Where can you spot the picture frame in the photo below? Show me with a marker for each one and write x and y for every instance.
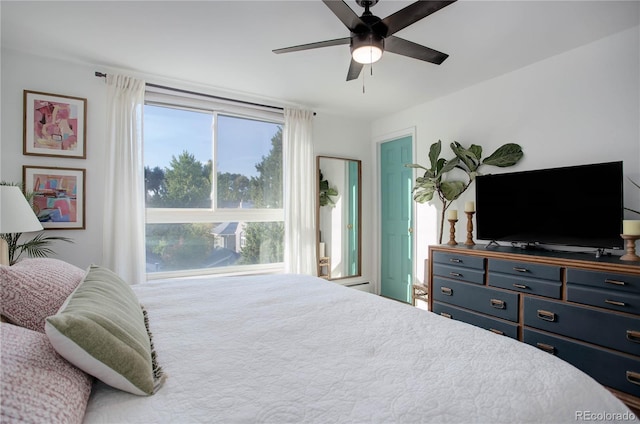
(54, 125)
(58, 195)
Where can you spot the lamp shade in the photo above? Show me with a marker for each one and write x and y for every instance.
(16, 215)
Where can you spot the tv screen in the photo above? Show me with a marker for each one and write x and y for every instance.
(570, 206)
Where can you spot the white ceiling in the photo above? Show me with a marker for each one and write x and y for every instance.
(227, 44)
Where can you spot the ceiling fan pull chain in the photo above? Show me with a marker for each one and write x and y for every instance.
(363, 74)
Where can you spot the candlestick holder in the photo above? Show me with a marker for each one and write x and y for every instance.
(452, 232)
(469, 241)
(631, 248)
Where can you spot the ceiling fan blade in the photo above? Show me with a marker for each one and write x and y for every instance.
(344, 13)
(328, 43)
(407, 16)
(354, 70)
(401, 46)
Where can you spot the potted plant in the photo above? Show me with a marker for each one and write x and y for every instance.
(37, 247)
(326, 192)
(468, 160)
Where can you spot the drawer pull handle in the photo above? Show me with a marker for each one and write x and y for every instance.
(546, 347)
(455, 274)
(520, 269)
(616, 282)
(456, 260)
(614, 302)
(633, 377)
(446, 315)
(493, 330)
(446, 291)
(546, 315)
(498, 304)
(520, 286)
(633, 336)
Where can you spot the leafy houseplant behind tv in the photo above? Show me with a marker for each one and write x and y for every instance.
(571, 206)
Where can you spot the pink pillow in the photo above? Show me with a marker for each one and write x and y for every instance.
(38, 385)
(36, 288)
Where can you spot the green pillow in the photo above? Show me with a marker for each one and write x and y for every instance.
(103, 330)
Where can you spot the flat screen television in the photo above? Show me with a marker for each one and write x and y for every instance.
(570, 206)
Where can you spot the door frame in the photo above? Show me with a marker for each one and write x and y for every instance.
(377, 201)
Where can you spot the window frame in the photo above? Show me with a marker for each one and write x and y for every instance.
(192, 102)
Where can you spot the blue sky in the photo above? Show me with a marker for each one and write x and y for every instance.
(242, 143)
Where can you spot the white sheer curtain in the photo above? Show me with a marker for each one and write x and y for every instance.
(123, 239)
(299, 193)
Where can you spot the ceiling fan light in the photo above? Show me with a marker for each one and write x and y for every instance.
(366, 54)
(366, 48)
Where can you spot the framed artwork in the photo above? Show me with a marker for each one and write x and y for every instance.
(54, 125)
(58, 196)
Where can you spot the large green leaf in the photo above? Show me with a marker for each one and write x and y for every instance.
(467, 156)
(506, 155)
(447, 165)
(423, 194)
(415, 165)
(476, 151)
(452, 189)
(434, 153)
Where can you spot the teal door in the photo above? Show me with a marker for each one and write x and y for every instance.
(353, 226)
(396, 219)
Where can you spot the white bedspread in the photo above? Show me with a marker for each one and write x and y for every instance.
(291, 349)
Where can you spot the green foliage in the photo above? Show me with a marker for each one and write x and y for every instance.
(232, 188)
(179, 245)
(187, 183)
(326, 192)
(154, 185)
(263, 243)
(469, 160)
(37, 247)
(266, 188)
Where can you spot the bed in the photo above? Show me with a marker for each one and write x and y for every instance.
(295, 348)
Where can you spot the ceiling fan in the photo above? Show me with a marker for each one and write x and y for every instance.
(371, 36)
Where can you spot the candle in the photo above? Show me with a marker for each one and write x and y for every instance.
(469, 207)
(631, 227)
(322, 250)
(453, 214)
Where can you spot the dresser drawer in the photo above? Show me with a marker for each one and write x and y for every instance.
(482, 299)
(544, 288)
(524, 269)
(459, 273)
(611, 299)
(605, 280)
(611, 369)
(466, 261)
(492, 324)
(599, 327)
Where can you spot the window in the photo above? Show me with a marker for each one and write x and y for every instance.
(213, 182)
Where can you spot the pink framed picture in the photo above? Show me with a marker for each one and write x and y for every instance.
(58, 196)
(54, 125)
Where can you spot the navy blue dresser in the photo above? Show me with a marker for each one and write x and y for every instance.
(583, 309)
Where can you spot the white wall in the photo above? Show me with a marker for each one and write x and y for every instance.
(348, 138)
(25, 72)
(332, 135)
(579, 107)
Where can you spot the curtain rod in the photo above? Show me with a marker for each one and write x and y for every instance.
(103, 75)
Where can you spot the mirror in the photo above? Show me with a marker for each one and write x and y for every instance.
(338, 217)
